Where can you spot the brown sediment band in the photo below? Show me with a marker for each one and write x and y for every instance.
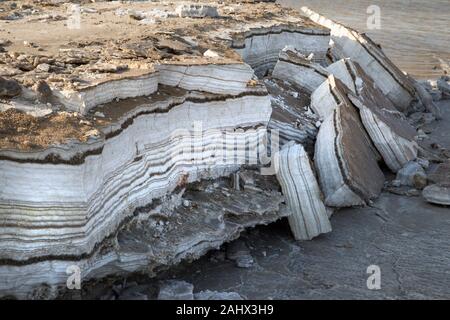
(80, 158)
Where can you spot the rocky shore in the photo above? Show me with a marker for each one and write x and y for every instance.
(135, 136)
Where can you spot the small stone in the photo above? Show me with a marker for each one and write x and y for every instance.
(44, 67)
(423, 162)
(413, 175)
(92, 133)
(396, 183)
(211, 54)
(186, 203)
(196, 11)
(238, 252)
(85, 122)
(43, 90)
(437, 194)
(9, 88)
(29, 44)
(176, 290)
(99, 114)
(245, 261)
(435, 145)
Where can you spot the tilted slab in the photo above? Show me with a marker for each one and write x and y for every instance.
(308, 217)
(323, 101)
(389, 130)
(360, 48)
(345, 158)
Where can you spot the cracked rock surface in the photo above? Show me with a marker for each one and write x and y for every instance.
(406, 237)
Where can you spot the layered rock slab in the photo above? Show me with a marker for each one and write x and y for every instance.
(351, 44)
(181, 226)
(296, 68)
(66, 203)
(345, 158)
(389, 130)
(291, 120)
(260, 47)
(308, 217)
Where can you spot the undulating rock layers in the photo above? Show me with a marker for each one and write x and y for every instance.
(345, 158)
(218, 78)
(308, 217)
(181, 226)
(135, 84)
(348, 43)
(290, 121)
(98, 129)
(114, 152)
(294, 67)
(67, 206)
(260, 47)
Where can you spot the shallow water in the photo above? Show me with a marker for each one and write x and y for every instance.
(414, 33)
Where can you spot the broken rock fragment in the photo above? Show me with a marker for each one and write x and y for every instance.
(391, 134)
(349, 43)
(412, 175)
(345, 158)
(437, 194)
(439, 191)
(308, 217)
(299, 69)
(238, 252)
(43, 91)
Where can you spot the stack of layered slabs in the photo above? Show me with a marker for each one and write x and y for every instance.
(389, 130)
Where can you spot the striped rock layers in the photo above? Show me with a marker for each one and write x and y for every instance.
(345, 158)
(389, 130)
(294, 67)
(260, 47)
(308, 217)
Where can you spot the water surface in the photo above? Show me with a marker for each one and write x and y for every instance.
(414, 33)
